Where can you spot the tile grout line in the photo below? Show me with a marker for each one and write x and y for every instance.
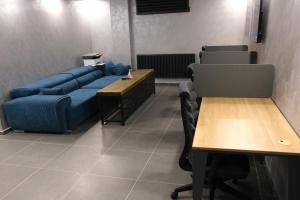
(12, 155)
(109, 148)
(35, 172)
(151, 155)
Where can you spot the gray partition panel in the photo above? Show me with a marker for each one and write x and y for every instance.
(226, 48)
(234, 80)
(228, 57)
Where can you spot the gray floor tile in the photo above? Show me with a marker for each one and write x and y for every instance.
(11, 176)
(138, 142)
(36, 154)
(100, 138)
(44, 185)
(124, 164)
(171, 143)
(59, 138)
(21, 136)
(96, 187)
(158, 124)
(155, 191)
(176, 127)
(76, 159)
(10, 147)
(164, 168)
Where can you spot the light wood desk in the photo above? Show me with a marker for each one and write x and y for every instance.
(248, 125)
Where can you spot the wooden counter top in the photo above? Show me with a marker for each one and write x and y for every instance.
(120, 87)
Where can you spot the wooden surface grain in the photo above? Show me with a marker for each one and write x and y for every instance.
(253, 125)
(120, 87)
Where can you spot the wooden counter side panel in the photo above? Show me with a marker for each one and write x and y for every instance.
(245, 125)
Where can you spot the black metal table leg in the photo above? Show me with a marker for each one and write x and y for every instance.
(199, 159)
(101, 108)
(122, 111)
(293, 177)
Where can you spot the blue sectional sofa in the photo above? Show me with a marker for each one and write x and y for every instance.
(60, 102)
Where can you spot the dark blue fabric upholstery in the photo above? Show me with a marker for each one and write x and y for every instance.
(52, 112)
(120, 69)
(34, 88)
(102, 82)
(68, 86)
(86, 79)
(97, 74)
(51, 91)
(83, 105)
(38, 113)
(80, 71)
(109, 68)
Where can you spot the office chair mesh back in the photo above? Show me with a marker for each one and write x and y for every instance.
(189, 110)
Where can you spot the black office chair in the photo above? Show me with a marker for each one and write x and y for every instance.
(220, 167)
(190, 71)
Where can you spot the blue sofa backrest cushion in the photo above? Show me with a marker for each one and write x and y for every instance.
(51, 91)
(34, 88)
(120, 69)
(86, 79)
(97, 74)
(80, 71)
(68, 86)
(108, 71)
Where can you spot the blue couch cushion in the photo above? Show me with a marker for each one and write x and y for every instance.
(68, 86)
(51, 91)
(34, 88)
(120, 69)
(23, 92)
(102, 82)
(83, 105)
(97, 74)
(38, 113)
(86, 79)
(108, 68)
(80, 71)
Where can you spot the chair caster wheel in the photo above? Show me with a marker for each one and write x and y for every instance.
(174, 195)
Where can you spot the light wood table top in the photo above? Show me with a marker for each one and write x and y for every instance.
(251, 125)
(120, 87)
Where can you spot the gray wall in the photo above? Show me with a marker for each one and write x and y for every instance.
(101, 33)
(120, 26)
(281, 47)
(212, 22)
(37, 42)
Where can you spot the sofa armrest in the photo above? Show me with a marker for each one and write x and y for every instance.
(38, 113)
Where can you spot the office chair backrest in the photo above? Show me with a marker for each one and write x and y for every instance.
(188, 107)
(190, 71)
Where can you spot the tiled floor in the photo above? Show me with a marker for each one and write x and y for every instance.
(135, 162)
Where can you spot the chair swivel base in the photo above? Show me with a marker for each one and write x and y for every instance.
(174, 195)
